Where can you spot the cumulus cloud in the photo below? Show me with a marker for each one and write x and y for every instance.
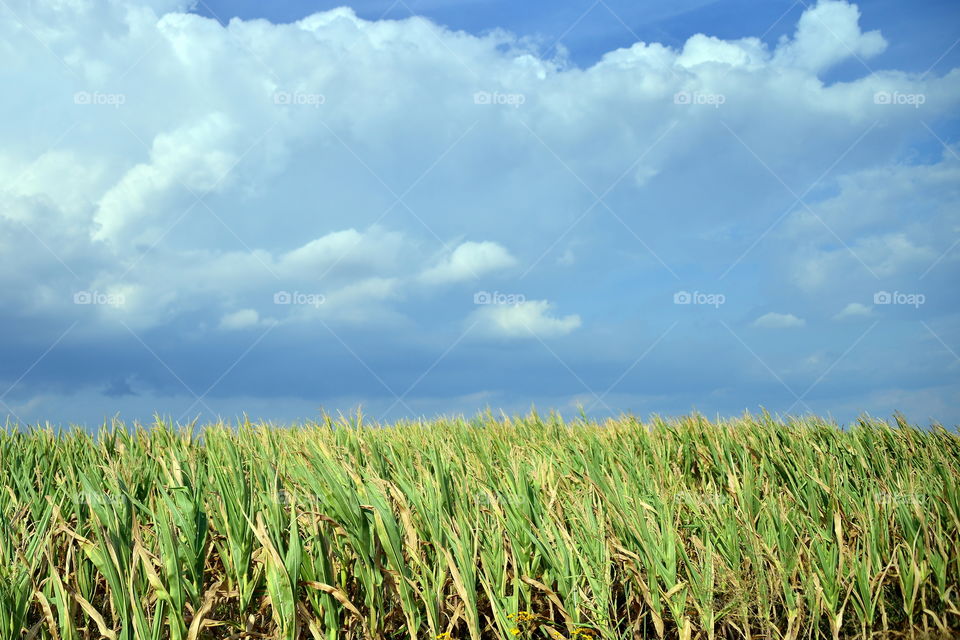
(775, 320)
(827, 34)
(883, 224)
(879, 256)
(469, 261)
(530, 319)
(854, 310)
(194, 159)
(355, 252)
(242, 319)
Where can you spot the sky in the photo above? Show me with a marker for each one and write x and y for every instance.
(225, 208)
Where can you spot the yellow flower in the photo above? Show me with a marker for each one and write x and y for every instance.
(515, 632)
(444, 636)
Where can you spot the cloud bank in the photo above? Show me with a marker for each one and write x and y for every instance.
(260, 215)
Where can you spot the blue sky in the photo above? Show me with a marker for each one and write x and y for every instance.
(428, 207)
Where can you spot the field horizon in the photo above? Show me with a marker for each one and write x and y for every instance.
(356, 418)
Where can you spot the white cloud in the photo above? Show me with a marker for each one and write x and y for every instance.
(775, 320)
(219, 128)
(844, 243)
(854, 310)
(365, 302)
(188, 162)
(469, 261)
(115, 198)
(827, 34)
(356, 252)
(879, 256)
(701, 49)
(242, 319)
(891, 253)
(877, 197)
(529, 319)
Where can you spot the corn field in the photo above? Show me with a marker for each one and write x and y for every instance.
(495, 527)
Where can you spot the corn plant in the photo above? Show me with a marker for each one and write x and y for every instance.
(494, 527)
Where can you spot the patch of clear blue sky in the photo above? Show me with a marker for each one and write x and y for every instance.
(921, 35)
